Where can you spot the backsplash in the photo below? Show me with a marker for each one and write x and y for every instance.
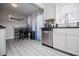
(76, 24)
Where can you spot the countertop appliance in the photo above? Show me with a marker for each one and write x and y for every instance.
(49, 23)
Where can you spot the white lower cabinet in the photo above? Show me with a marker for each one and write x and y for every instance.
(66, 40)
(2, 42)
(73, 44)
(59, 39)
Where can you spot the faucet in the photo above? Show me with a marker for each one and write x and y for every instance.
(67, 20)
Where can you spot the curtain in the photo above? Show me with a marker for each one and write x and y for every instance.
(36, 22)
(40, 24)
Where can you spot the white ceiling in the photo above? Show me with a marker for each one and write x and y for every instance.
(23, 8)
(27, 8)
(46, 5)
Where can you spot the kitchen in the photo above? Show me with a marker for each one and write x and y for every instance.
(55, 26)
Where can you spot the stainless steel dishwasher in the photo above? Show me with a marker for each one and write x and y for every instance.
(47, 37)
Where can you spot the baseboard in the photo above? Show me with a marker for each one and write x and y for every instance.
(47, 45)
(60, 50)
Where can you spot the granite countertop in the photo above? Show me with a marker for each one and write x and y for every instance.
(51, 29)
(66, 27)
(47, 29)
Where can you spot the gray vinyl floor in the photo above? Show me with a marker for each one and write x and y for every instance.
(29, 47)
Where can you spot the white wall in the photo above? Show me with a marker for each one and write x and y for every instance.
(49, 12)
(71, 8)
(4, 20)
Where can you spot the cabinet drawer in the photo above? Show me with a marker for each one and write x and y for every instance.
(61, 30)
(73, 32)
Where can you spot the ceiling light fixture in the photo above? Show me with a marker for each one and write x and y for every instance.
(14, 5)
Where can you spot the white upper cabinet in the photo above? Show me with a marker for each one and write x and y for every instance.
(67, 13)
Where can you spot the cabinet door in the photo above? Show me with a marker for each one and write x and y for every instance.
(73, 44)
(73, 31)
(2, 42)
(59, 41)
